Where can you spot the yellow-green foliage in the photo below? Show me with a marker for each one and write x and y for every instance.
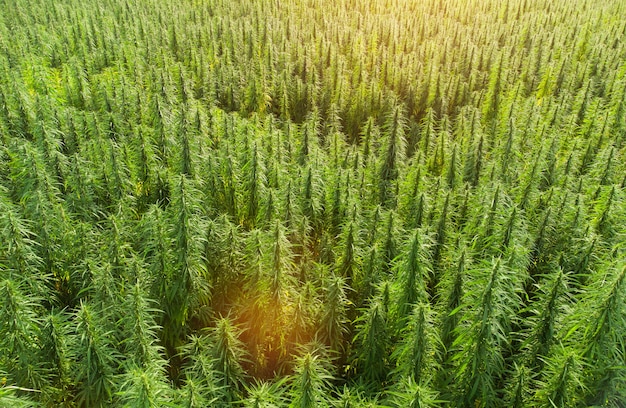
(312, 203)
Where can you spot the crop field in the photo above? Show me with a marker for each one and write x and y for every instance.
(312, 203)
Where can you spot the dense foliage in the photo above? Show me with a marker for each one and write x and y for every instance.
(286, 203)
